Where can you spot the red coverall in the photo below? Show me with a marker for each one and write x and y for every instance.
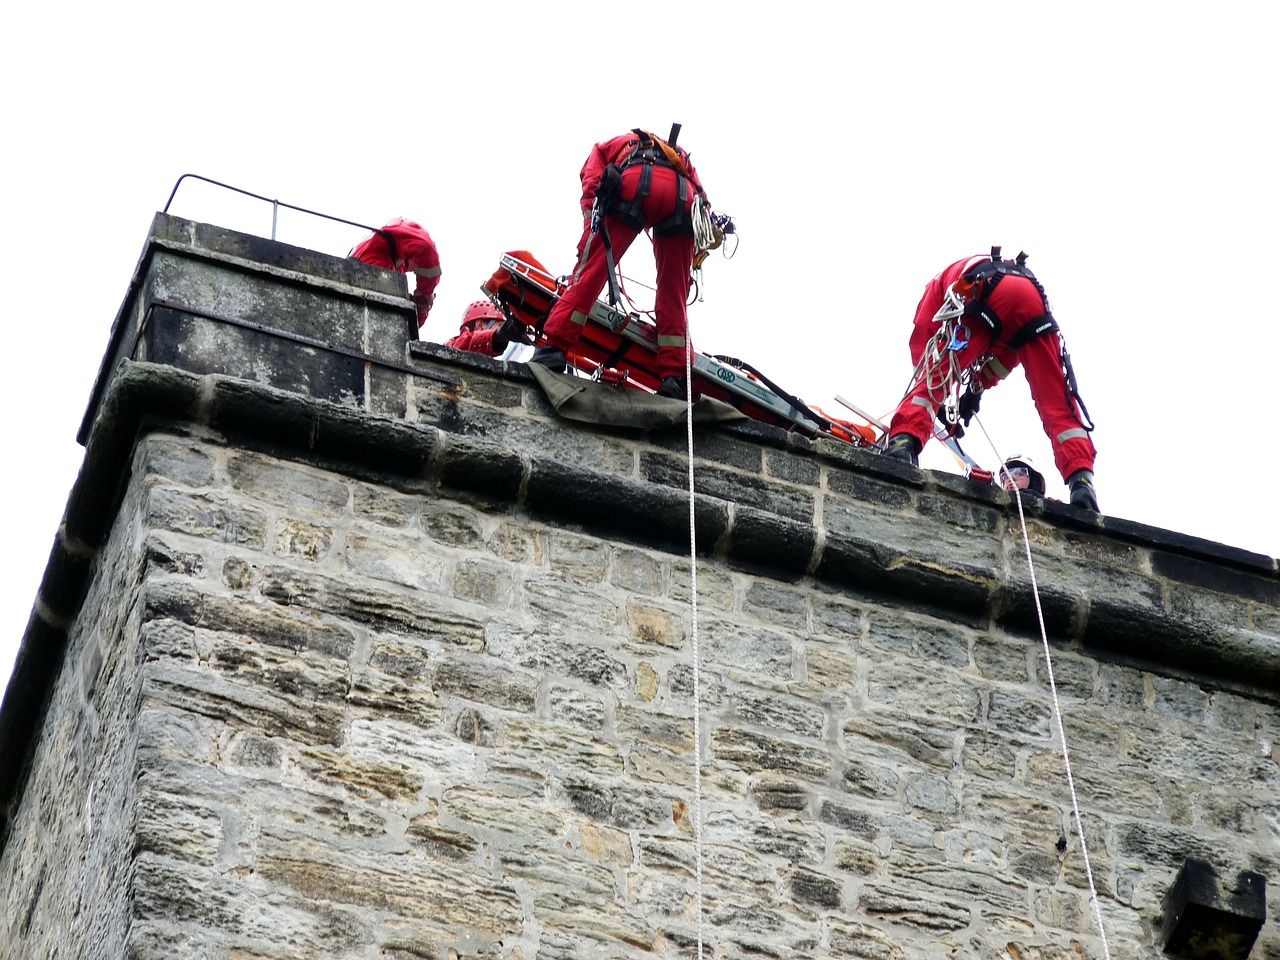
(415, 253)
(673, 255)
(1015, 301)
(477, 336)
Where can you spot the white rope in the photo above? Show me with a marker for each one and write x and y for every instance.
(697, 692)
(1053, 688)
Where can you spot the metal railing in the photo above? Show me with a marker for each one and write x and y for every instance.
(275, 204)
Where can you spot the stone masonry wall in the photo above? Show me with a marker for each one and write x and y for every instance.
(351, 651)
(376, 720)
(65, 882)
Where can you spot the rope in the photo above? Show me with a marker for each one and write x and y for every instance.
(697, 692)
(1057, 706)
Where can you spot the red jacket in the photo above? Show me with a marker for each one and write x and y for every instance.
(615, 151)
(415, 253)
(477, 337)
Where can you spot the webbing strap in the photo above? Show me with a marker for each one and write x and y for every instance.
(1039, 327)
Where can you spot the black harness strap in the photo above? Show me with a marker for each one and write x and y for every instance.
(1038, 327)
(391, 246)
(647, 152)
(988, 275)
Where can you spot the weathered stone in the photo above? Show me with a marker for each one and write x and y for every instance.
(858, 858)
(753, 752)
(165, 559)
(185, 461)
(486, 682)
(675, 733)
(646, 682)
(815, 890)
(787, 714)
(913, 907)
(653, 625)
(398, 560)
(637, 572)
(305, 541)
(286, 485)
(361, 778)
(391, 612)
(431, 891)
(533, 743)
(213, 517)
(862, 941)
(576, 706)
(505, 810)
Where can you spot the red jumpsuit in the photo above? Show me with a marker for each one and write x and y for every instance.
(1015, 301)
(673, 255)
(477, 336)
(415, 253)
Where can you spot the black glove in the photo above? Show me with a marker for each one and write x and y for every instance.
(610, 185)
(510, 330)
(951, 429)
(969, 401)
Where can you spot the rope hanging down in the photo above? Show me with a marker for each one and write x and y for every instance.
(1053, 689)
(693, 601)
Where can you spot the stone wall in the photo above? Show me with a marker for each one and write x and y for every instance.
(415, 679)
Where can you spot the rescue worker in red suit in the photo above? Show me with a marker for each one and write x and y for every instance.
(642, 188)
(405, 246)
(1025, 334)
(484, 330)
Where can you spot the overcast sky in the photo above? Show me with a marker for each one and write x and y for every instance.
(860, 147)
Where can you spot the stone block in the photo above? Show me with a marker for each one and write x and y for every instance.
(1207, 918)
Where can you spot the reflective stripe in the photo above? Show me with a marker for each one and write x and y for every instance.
(579, 318)
(1076, 434)
(670, 341)
(998, 368)
(922, 402)
(427, 272)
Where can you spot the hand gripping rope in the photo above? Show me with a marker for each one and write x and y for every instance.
(1057, 706)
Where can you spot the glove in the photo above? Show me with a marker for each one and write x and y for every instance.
(610, 185)
(969, 401)
(422, 303)
(952, 429)
(510, 330)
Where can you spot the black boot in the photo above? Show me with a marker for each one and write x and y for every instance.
(673, 387)
(903, 446)
(1083, 493)
(552, 358)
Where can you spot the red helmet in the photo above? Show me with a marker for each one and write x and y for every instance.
(481, 310)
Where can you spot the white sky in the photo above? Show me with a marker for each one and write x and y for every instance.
(1129, 148)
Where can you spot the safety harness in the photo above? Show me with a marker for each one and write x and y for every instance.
(649, 151)
(983, 278)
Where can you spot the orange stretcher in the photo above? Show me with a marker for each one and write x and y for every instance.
(622, 348)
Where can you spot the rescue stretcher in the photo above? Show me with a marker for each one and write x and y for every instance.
(622, 349)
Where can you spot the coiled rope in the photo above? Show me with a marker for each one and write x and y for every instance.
(1053, 689)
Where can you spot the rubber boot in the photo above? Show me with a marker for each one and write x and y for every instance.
(1082, 490)
(903, 446)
